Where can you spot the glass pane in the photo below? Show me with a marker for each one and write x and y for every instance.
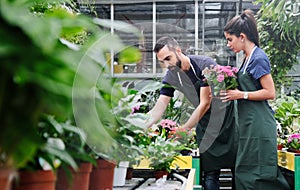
(216, 15)
(176, 19)
(139, 16)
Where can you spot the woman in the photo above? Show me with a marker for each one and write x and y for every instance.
(256, 163)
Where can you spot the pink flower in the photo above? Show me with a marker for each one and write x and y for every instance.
(135, 108)
(235, 69)
(226, 69)
(220, 78)
(294, 136)
(166, 123)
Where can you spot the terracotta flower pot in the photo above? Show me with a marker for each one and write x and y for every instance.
(7, 176)
(160, 173)
(129, 173)
(79, 181)
(279, 146)
(293, 150)
(102, 175)
(36, 180)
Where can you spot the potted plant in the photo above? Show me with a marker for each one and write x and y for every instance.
(127, 151)
(287, 112)
(161, 153)
(172, 130)
(40, 171)
(102, 174)
(38, 69)
(28, 89)
(126, 154)
(188, 140)
(164, 147)
(293, 143)
(162, 144)
(122, 127)
(281, 142)
(74, 138)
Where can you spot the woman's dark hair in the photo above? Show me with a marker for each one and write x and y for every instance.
(244, 23)
(168, 41)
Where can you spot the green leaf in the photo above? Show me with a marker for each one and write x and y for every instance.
(130, 55)
(61, 154)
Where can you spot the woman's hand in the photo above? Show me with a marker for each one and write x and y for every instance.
(228, 95)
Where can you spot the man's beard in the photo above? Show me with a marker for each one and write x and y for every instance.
(178, 63)
(177, 67)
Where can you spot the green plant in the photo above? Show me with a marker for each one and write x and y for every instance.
(166, 140)
(178, 110)
(73, 137)
(42, 73)
(287, 113)
(161, 153)
(127, 147)
(127, 132)
(278, 26)
(26, 59)
(144, 99)
(160, 146)
(52, 151)
(281, 140)
(285, 16)
(282, 57)
(188, 139)
(73, 141)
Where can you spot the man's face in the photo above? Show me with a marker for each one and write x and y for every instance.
(169, 59)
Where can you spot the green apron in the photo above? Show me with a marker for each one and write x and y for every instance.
(218, 126)
(256, 162)
(219, 138)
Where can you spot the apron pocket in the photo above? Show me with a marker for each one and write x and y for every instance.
(248, 153)
(268, 158)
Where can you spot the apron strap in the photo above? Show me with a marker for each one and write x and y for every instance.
(248, 60)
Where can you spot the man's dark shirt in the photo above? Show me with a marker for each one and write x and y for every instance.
(188, 82)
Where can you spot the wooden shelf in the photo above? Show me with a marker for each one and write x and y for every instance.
(183, 162)
(290, 161)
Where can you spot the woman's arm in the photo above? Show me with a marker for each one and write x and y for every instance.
(267, 92)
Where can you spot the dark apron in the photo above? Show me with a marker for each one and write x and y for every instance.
(217, 137)
(216, 131)
(256, 162)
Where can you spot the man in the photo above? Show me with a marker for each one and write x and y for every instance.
(216, 137)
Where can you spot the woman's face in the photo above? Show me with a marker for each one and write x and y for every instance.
(234, 43)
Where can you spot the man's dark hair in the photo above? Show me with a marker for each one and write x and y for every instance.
(168, 41)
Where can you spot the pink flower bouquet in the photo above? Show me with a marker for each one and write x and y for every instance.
(221, 77)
